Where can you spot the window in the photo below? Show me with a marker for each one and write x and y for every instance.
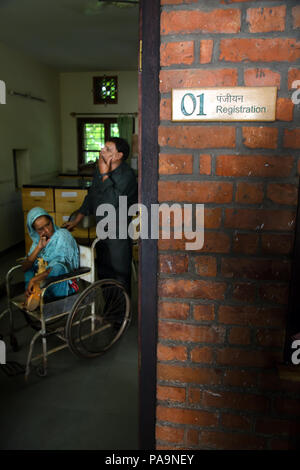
(92, 135)
(105, 90)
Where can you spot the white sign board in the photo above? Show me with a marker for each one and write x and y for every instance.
(37, 193)
(68, 194)
(224, 104)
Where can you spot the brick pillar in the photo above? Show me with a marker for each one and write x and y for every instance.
(222, 309)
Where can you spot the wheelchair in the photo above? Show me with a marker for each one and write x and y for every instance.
(88, 322)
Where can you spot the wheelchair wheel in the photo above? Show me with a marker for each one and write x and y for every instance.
(98, 318)
(41, 371)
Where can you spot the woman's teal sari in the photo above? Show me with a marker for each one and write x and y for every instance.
(61, 253)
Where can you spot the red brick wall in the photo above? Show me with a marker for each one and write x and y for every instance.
(222, 310)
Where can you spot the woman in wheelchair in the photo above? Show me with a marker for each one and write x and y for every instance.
(53, 247)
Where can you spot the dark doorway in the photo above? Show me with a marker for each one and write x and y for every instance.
(70, 388)
(148, 176)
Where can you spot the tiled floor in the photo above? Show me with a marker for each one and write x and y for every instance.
(81, 404)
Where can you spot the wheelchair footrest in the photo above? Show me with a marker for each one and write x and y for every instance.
(12, 368)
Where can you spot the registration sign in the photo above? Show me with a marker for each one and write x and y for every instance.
(224, 104)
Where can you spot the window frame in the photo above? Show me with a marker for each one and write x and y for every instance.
(97, 98)
(107, 121)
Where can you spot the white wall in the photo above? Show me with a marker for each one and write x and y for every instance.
(77, 96)
(26, 124)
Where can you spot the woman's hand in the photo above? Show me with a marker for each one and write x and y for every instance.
(28, 262)
(30, 287)
(35, 281)
(43, 241)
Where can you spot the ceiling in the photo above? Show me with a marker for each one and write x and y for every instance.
(73, 35)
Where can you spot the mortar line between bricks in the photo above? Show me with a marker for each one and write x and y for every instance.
(194, 35)
(197, 177)
(215, 4)
(289, 125)
(284, 152)
(223, 387)
(211, 67)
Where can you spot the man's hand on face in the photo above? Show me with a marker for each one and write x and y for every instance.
(104, 165)
(109, 158)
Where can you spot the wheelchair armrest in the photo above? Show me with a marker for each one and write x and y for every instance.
(63, 277)
(9, 279)
(10, 272)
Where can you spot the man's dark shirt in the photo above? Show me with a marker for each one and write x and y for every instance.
(113, 255)
(121, 182)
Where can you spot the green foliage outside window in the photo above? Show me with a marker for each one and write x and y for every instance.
(94, 139)
(105, 90)
(108, 89)
(114, 130)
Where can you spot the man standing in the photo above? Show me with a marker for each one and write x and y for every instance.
(113, 177)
